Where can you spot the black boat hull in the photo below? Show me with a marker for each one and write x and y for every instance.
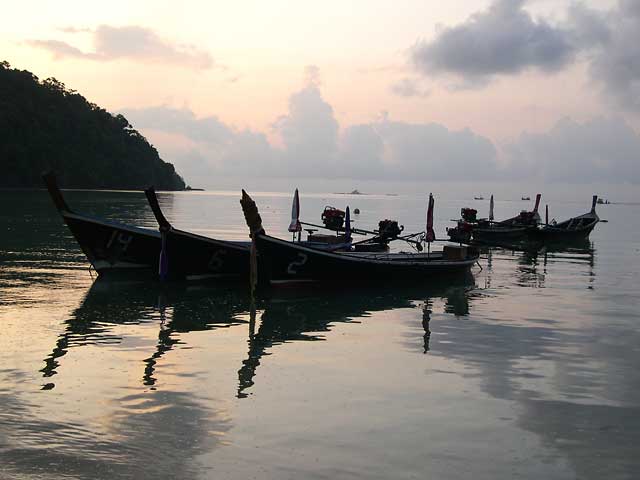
(286, 262)
(194, 257)
(116, 249)
(572, 230)
(491, 236)
(550, 234)
(499, 234)
(113, 247)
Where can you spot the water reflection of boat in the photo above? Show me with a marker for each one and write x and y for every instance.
(305, 315)
(110, 304)
(532, 264)
(108, 307)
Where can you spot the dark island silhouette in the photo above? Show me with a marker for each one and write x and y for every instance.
(45, 126)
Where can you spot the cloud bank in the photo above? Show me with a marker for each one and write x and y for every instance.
(614, 37)
(130, 43)
(314, 145)
(598, 150)
(506, 40)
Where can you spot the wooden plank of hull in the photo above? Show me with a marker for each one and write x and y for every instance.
(282, 261)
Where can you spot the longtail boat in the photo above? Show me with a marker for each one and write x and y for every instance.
(281, 261)
(573, 229)
(115, 248)
(109, 246)
(470, 229)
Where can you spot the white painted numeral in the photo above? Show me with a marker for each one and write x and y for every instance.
(123, 239)
(293, 266)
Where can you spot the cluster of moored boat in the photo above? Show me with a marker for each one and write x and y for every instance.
(170, 253)
(526, 228)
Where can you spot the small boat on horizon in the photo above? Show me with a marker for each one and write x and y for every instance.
(352, 192)
(526, 198)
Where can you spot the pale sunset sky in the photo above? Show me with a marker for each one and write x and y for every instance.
(377, 89)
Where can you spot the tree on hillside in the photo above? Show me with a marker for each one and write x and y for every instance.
(45, 126)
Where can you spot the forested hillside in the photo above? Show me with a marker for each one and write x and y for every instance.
(45, 126)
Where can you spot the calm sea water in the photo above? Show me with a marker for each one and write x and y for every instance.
(530, 371)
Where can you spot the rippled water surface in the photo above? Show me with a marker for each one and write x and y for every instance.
(531, 370)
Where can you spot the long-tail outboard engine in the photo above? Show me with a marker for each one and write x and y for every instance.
(528, 218)
(469, 215)
(463, 230)
(333, 218)
(389, 230)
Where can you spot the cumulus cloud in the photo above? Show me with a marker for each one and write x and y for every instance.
(431, 150)
(598, 150)
(502, 39)
(505, 39)
(309, 131)
(129, 42)
(182, 121)
(314, 145)
(206, 146)
(362, 151)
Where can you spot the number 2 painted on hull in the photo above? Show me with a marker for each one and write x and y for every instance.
(292, 269)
